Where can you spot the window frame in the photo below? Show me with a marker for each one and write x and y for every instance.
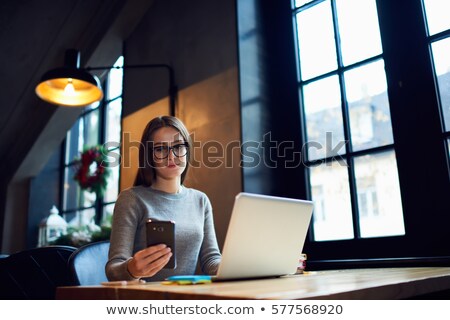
(349, 155)
(431, 39)
(424, 231)
(68, 164)
(270, 103)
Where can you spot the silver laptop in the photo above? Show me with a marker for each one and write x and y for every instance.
(265, 237)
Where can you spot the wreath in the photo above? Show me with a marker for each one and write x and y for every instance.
(89, 177)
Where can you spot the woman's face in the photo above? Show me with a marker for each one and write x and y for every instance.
(169, 153)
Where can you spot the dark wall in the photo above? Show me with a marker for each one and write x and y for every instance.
(270, 110)
(34, 37)
(421, 156)
(197, 38)
(44, 193)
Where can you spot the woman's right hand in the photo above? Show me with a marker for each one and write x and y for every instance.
(149, 261)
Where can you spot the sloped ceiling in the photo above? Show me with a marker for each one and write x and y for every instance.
(34, 36)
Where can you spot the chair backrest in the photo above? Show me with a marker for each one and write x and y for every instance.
(35, 273)
(87, 263)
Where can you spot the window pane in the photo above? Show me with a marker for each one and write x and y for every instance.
(71, 190)
(316, 41)
(69, 216)
(83, 218)
(366, 94)
(299, 3)
(72, 147)
(441, 58)
(115, 81)
(332, 206)
(74, 197)
(113, 121)
(113, 182)
(379, 201)
(88, 198)
(437, 15)
(324, 126)
(91, 128)
(92, 106)
(359, 33)
(107, 215)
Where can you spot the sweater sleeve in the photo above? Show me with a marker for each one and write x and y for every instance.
(209, 253)
(127, 213)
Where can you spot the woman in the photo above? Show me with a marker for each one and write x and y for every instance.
(158, 193)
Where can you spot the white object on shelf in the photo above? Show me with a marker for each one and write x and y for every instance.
(51, 228)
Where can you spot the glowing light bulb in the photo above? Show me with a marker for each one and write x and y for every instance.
(69, 90)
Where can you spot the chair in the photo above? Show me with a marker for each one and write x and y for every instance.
(87, 263)
(35, 273)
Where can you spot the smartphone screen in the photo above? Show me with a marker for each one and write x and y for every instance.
(162, 232)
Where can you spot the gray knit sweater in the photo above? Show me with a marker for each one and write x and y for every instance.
(195, 238)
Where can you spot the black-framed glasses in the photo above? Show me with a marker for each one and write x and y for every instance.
(178, 150)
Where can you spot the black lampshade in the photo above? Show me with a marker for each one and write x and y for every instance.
(69, 86)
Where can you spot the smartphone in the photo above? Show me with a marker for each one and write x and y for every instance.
(162, 232)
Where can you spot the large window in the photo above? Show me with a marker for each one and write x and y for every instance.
(359, 88)
(98, 124)
(343, 89)
(374, 91)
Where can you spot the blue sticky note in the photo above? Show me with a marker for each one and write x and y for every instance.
(190, 279)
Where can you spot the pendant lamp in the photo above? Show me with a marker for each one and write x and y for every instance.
(70, 86)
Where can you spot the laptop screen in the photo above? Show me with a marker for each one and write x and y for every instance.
(265, 236)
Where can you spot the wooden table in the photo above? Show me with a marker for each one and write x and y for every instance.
(385, 283)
